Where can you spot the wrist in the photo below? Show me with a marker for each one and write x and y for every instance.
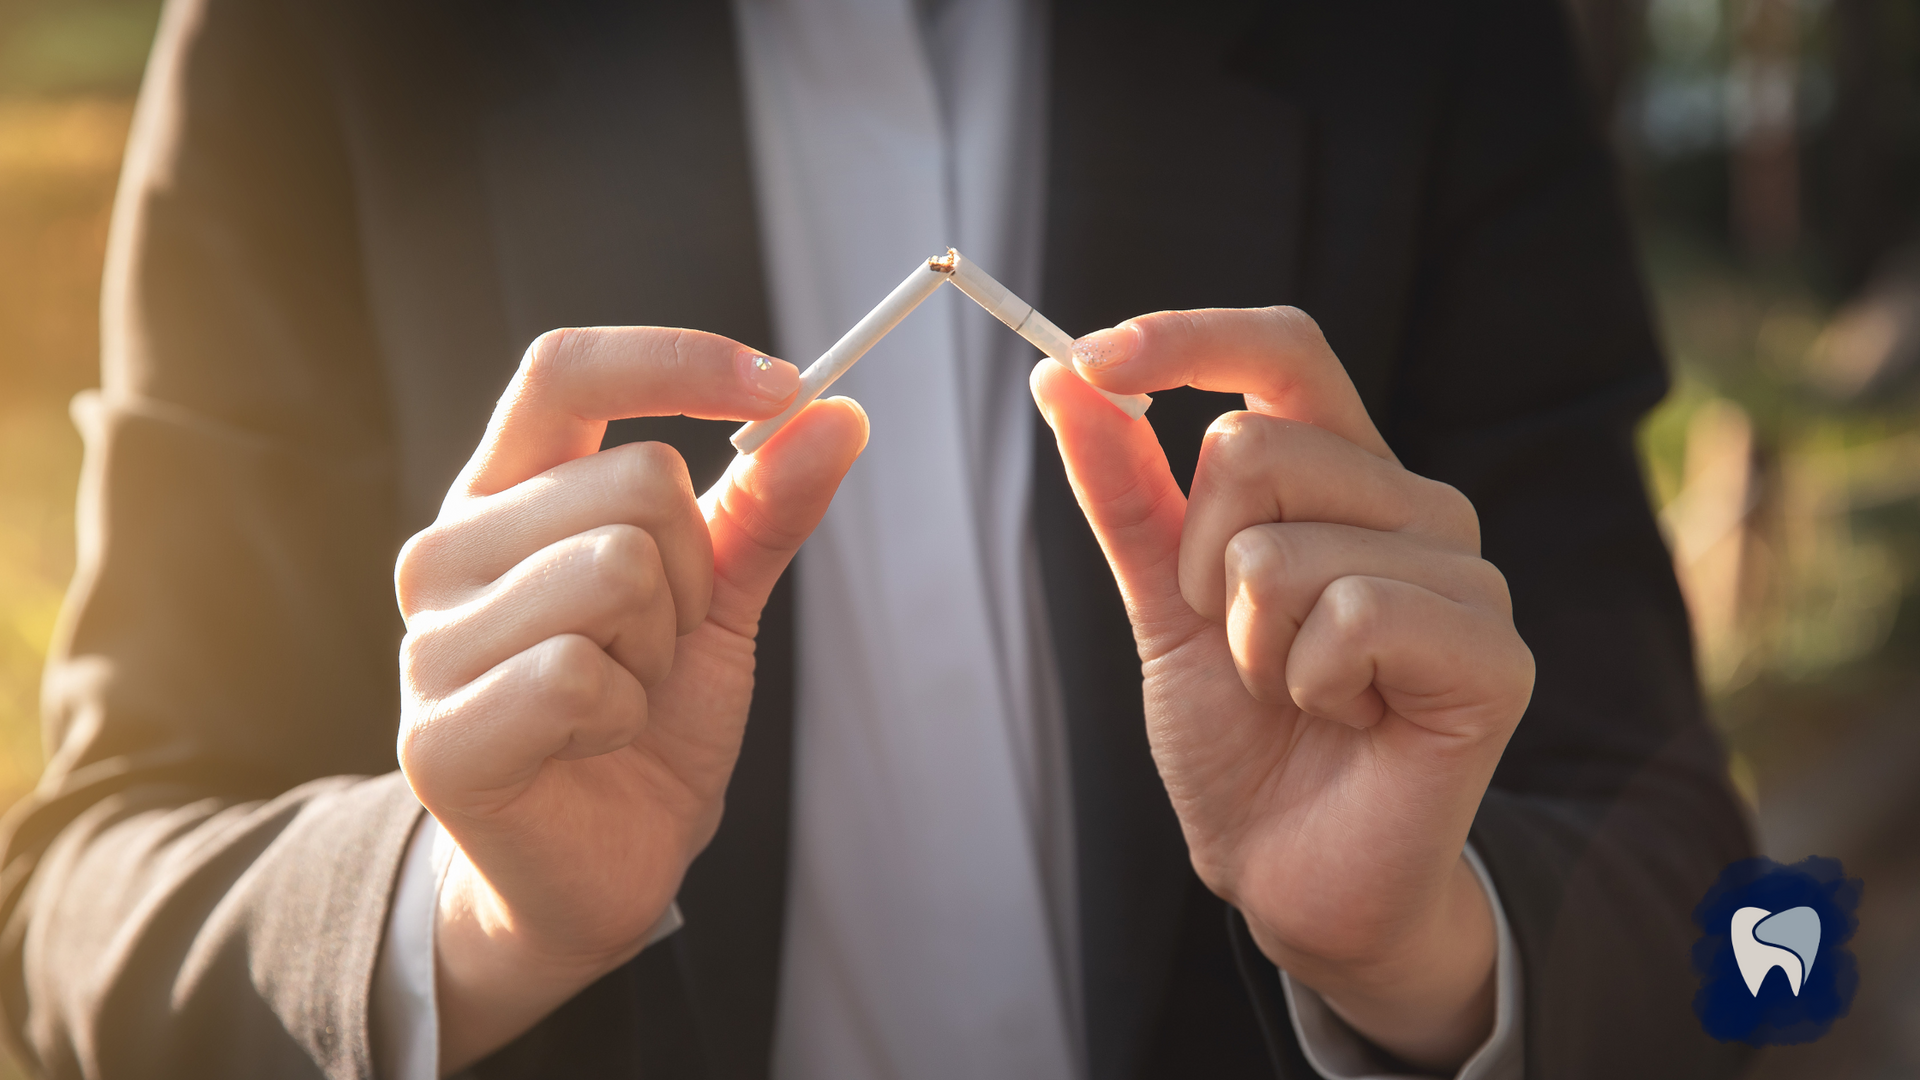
(495, 977)
(1427, 993)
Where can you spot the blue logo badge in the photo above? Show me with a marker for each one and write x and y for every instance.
(1772, 955)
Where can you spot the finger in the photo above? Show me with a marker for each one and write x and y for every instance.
(1275, 575)
(644, 485)
(564, 698)
(1373, 644)
(606, 585)
(1123, 485)
(571, 382)
(1256, 469)
(767, 505)
(1276, 356)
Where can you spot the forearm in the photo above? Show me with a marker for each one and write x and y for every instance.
(1428, 1000)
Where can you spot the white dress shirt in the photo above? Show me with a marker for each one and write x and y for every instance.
(923, 932)
(931, 906)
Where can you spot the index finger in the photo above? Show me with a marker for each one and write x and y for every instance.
(1276, 356)
(572, 381)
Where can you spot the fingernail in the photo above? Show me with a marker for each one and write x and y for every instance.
(1107, 348)
(766, 378)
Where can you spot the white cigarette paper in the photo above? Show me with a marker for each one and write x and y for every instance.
(1028, 323)
(922, 283)
(835, 361)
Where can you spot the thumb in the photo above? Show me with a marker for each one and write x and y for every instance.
(1121, 479)
(767, 505)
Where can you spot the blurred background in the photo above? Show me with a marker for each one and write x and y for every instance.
(1771, 153)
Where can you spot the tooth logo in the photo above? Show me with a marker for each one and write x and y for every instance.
(1758, 916)
(1763, 941)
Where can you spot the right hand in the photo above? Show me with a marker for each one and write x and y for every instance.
(579, 656)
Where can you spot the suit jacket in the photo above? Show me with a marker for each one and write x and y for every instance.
(343, 220)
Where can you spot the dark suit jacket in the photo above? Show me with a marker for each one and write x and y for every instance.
(342, 222)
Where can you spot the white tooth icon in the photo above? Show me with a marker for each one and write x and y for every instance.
(1763, 941)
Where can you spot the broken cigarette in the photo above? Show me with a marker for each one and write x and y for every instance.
(1025, 321)
(909, 294)
(835, 361)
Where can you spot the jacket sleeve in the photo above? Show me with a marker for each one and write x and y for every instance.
(198, 885)
(1525, 358)
(1530, 358)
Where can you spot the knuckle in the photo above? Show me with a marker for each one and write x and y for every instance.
(649, 470)
(572, 674)
(625, 562)
(1524, 669)
(415, 654)
(548, 354)
(414, 753)
(1354, 608)
(653, 663)
(1454, 512)
(1292, 326)
(429, 652)
(1179, 324)
(415, 570)
(1235, 441)
(1487, 580)
(1227, 425)
(1259, 560)
(1245, 446)
(682, 349)
(1525, 673)
(422, 748)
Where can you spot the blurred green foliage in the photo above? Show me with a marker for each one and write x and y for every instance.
(1773, 152)
(53, 47)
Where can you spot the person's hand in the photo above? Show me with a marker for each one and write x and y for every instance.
(1331, 670)
(579, 656)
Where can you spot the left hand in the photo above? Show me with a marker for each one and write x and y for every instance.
(1331, 670)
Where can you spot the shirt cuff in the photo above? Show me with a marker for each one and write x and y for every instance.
(404, 1016)
(1337, 1052)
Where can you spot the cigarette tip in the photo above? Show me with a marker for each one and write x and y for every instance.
(944, 264)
